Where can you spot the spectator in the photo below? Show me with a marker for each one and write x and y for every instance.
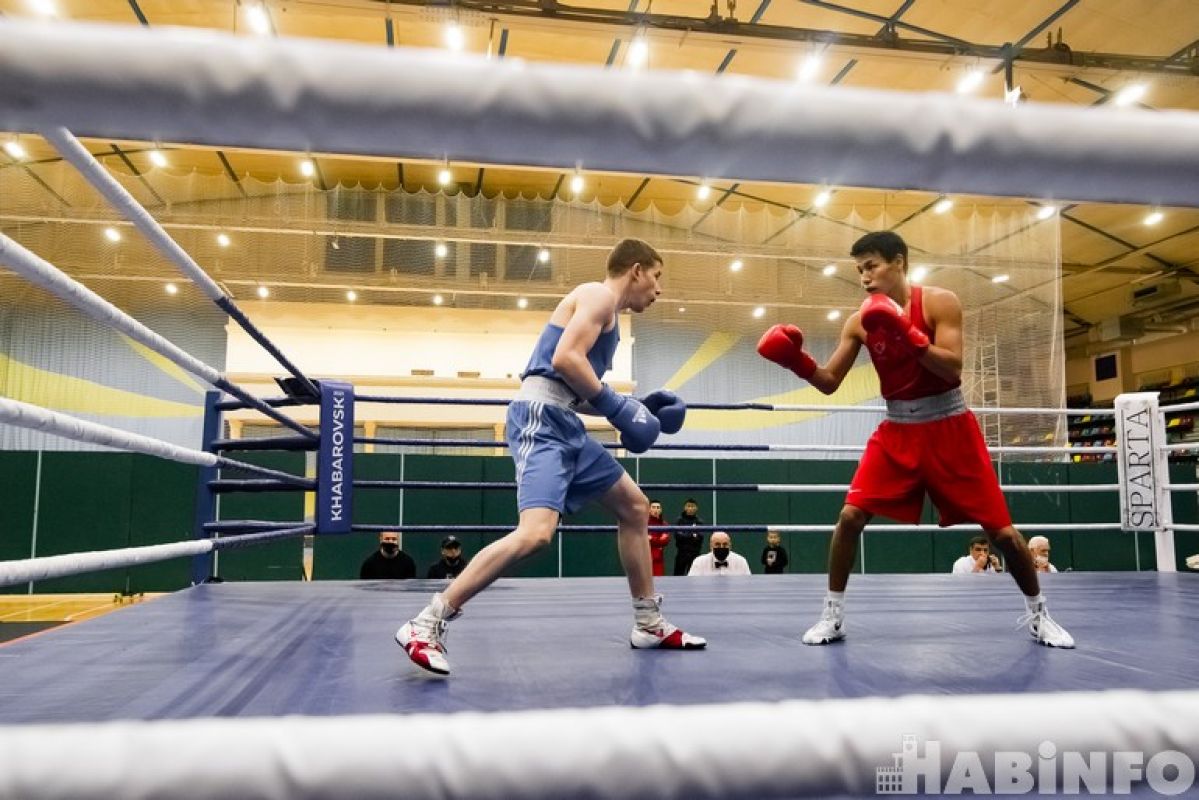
(389, 561)
(978, 559)
(722, 560)
(1039, 547)
(657, 539)
(688, 545)
(774, 556)
(452, 563)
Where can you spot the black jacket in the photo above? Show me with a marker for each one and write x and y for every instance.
(376, 567)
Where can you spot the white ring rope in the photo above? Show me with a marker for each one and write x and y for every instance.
(47, 567)
(789, 488)
(215, 88)
(26, 415)
(1177, 408)
(795, 748)
(42, 273)
(94, 172)
(1085, 527)
(1062, 412)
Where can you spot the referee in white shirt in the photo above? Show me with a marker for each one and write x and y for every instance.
(722, 560)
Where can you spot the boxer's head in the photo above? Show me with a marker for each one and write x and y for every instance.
(882, 261)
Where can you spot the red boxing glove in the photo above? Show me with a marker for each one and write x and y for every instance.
(881, 313)
(783, 344)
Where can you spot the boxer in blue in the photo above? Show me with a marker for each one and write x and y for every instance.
(559, 468)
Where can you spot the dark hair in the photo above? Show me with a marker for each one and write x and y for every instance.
(979, 540)
(690, 500)
(628, 252)
(887, 244)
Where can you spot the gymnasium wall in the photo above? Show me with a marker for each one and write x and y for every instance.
(56, 357)
(87, 501)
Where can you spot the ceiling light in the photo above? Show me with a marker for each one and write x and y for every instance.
(438, 299)
(522, 302)
(943, 205)
(704, 191)
(171, 288)
(258, 20)
(682, 309)
(441, 250)
(736, 265)
(264, 292)
(919, 273)
(829, 269)
(307, 168)
(1045, 212)
(444, 176)
(970, 81)
(638, 53)
(157, 158)
(1000, 278)
(43, 8)
(223, 239)
(576, 183)
(1154, 217)
(808, 69)
(455, 39)
(759, 312)
(112, 234)
(1129, 94)
(833, 315)
(14, 149)
(543, 256)
(821, 200)
(351, 295)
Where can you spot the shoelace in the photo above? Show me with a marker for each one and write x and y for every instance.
(435, 633)
(1041, 615)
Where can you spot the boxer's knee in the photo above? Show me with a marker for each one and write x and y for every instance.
(1006, 539)
(851, 521)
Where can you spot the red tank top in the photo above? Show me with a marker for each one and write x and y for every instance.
(901, 376)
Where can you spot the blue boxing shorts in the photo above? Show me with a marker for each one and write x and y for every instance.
(558, 465)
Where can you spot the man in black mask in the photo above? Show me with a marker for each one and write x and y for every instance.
(722, 560)
(389, 561)
(451, 563)
(687, 545)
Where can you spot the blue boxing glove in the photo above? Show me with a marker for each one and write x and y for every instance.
(668, 407)
(638, 428)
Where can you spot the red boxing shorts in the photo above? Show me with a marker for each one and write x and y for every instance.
(947, 458)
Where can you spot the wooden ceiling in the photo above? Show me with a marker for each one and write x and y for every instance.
(1081, 52)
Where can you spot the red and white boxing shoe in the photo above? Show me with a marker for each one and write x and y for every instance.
(423, 638)
(652, 630)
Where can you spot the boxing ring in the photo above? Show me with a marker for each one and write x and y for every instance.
(297, 690)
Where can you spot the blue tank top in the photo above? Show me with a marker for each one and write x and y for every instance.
(600, 355)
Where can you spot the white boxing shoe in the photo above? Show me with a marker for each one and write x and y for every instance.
(1044, 629)
(423, 638)
(651, 630)
(830, 628)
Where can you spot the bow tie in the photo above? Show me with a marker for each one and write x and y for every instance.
(720, 564)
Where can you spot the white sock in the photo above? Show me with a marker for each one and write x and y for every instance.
(836, 597)
(1034, 603)
(439, 609)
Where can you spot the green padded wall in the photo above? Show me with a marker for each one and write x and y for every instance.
(276, 561)
(162, 510)
(85, 505)
(340, 556)
(18, 476)
(100, 500)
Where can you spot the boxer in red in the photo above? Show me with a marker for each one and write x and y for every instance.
(929, 442)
